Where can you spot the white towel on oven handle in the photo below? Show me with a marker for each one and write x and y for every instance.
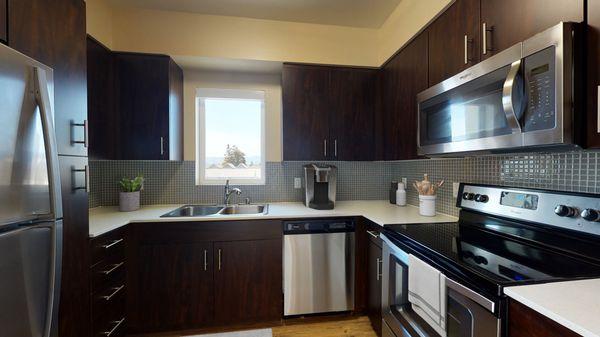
(427, 293)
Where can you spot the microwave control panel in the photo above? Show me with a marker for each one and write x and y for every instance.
(539, 70)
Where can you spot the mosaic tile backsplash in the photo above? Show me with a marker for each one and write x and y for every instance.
(173, 182)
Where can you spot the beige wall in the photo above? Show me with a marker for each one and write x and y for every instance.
(99, 22)
(405, 21)
(270, 83)
(186, 34)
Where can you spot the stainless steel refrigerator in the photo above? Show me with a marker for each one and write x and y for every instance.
(30, 200)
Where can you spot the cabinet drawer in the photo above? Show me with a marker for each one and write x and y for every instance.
(103, 300)
(106, 272)
(112, 322)
(107, 245)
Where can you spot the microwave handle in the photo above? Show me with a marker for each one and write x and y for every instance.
(512, 87)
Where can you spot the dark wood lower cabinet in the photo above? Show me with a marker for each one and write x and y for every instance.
(75, 284)
(525, 322)
(197, 275)
(248, 281)
(374, 283)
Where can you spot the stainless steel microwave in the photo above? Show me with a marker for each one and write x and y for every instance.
(520, 97)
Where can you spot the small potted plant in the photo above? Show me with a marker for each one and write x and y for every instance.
(129, 197)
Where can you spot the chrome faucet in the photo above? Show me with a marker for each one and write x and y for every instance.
(228, 192)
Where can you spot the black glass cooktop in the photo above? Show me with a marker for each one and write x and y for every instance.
(492, 253)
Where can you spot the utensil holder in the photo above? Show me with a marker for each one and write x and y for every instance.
(427, 205)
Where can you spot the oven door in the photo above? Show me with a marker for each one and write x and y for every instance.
(469, 314)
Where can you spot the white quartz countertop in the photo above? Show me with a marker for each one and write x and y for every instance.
(574, 304)
(105, 219)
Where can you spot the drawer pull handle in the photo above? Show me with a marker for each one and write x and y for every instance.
(117, 325)
(373, 234)
(379, 265)
(205, 260)
(219, 259)
(112, 243)
(116, 291)
(115, 267)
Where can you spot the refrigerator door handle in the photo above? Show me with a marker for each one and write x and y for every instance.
(43, 101)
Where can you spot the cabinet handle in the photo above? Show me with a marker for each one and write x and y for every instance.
(107, 246)
(467, 41)
(485, 42)
(114, 267)
(162, 146)
(86, 139)
(379, 265)
(598, 107)
(205, 260)
(86, 171)
(117, 325)
(325, 148)
(335, 148)
(373, 234)
(116, 291)
(219, 259)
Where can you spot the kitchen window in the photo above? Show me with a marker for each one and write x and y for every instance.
(230, 137)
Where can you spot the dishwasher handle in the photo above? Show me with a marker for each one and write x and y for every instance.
(319, 226)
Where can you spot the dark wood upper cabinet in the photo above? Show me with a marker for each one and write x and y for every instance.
(248, 286)
(306, 110)
(53, 32)
(593, 73)
(3, 21)
(351, 121)
(525, 322)
(328, 112)
(454, 40)
(148, 95)
(403, 77)
(512, 21)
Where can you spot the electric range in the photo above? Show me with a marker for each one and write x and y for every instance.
(504, 237)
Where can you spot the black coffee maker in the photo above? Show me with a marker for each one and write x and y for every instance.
(320, 186)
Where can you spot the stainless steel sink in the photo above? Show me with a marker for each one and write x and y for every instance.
(244, 209)
(208, 210)
(193, 210)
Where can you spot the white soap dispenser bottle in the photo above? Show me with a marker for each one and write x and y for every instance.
(401, 195)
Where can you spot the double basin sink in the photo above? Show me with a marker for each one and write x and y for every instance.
(208, 210)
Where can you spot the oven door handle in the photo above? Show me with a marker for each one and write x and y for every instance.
(513, 97)
(410, 325)
(471, 295)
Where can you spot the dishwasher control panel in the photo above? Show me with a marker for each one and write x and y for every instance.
(318, 226)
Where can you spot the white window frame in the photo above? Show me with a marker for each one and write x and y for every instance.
(201, 95)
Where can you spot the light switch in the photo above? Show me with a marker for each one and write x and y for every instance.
(297, 182)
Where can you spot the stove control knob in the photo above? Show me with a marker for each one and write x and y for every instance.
(468, 196)
(590, 214)
(565, 211)
(480, 260)
(482, 198)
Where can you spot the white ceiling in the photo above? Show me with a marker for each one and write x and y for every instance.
(353, 13)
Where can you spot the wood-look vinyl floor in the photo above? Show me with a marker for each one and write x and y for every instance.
(347, 327)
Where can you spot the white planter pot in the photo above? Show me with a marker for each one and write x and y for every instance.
(427, 205)
(129, 201)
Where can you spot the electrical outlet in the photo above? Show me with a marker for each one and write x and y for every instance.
(455, 189)
(405, 181)
(297, 183)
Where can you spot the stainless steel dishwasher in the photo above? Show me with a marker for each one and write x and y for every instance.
(318, 266)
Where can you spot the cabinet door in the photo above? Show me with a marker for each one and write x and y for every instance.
(454, 40)
(53, 32)
(248, 281)
(403, 77)
(142, 104)
(593, 73)
(374, 282)
(3, 20)
(305, 95)
(170, 286)
(75, 283)
(525, 322)
(352, 95)
(512, 21)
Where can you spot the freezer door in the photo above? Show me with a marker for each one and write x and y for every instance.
(29, 281)
(318, 273)
(29, 186)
